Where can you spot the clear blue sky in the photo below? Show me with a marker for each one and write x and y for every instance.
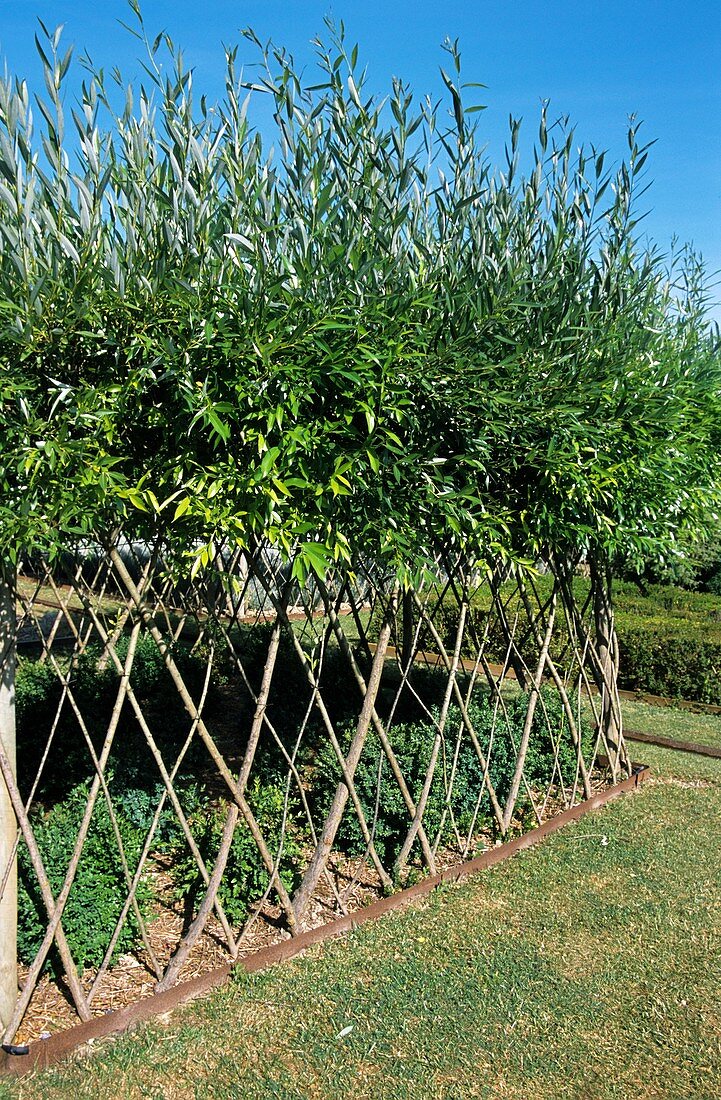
(596, 60)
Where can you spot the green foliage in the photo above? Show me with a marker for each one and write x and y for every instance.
(37, 694)
(338, 346)
(137, 806)
(695, 566)
(99, 891)
(664, 660)
(246, 878)
(670, 642)
(466, 799)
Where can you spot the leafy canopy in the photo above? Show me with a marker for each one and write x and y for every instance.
(361, 339)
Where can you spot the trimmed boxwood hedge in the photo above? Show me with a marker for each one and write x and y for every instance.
(669, 638)
(664, 658)
(98, 893)
(670, 642)
(412, 742)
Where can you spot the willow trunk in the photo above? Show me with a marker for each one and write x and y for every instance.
(8, 822)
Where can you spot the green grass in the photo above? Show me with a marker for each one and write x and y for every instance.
(666, 606)
(587, 968)
(703, 729)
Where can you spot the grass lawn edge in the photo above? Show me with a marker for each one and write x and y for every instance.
(48, 1052)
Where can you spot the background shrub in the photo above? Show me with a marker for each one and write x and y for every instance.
(660, 658)
(696, 567)
(98, 893)
(670, 642)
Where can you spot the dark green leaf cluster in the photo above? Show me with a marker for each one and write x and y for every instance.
(363, 340)
(245, 878)
(100, 876)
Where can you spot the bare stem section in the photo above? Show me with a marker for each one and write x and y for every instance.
(8, 823)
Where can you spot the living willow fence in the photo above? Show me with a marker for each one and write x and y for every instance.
(334, 397)
(228, 758)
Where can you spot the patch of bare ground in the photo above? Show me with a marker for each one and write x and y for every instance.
(685, 784)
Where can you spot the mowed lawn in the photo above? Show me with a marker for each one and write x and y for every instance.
(589, 967)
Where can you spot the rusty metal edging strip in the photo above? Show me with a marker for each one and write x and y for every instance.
(672, 743)
(46, 1052)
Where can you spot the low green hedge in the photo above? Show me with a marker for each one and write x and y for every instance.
(99, 890)
(663, 658)
(245, 878)
(382, 800)
(669, 638)
(669, 641)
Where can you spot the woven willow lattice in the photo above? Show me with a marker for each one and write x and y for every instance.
(230, 758)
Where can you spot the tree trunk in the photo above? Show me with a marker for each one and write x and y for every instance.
(408, 635)
(606, 671)
(8, 823)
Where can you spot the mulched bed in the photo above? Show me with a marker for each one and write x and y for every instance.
(349, 886)
(51, 1008)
